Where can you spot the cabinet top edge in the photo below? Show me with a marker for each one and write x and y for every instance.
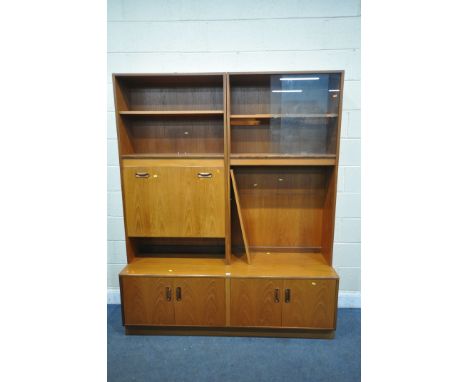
(175, 74)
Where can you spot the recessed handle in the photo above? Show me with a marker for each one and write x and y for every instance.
(178, 292)
(287, 295)
(277, 297)
(168, 294)
(141, 175)
(205, 175)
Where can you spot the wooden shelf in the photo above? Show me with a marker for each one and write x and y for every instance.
(283, 264)
(279, 160)
(172, 156)
(168, 113)
(264, 264)
(268, 116)
(175, 266)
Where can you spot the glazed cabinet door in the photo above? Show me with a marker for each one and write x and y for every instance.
(174, 198)
(256, 302)
(309, 303)
(147, 300)
(200, 301)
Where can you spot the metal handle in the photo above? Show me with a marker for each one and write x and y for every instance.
(168, 294)
(141, 175)
(287, 295)
(178, 293)
(277, 297)
(205, 175)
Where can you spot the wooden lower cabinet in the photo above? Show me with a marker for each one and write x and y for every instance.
(286, 303)
(253, 302)
(164, 301)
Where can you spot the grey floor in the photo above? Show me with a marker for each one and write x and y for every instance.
(224, 359)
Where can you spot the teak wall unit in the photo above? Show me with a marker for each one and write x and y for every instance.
(229, 185)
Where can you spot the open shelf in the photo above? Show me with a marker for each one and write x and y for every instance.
(170, 93)
(175, 113)
(283, 206)
(173, 136)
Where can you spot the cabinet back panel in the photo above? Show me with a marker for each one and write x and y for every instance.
(179, 247)
(175, 98)
(196, 135)
(282, 206)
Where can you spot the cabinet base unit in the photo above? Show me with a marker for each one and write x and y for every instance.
(229, 185)
(230, 332)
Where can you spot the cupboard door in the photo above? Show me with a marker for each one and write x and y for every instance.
(309, 303)
(200, 301)
(194, 202)
(148, 301)
(142, 200)
(171, 200)
(256, 302)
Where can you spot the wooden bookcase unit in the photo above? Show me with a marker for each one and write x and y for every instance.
(229, 185)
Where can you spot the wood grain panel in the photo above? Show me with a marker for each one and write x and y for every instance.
(173, 201)
(203, 301)
(253, 302)
(144, 301)
(312, 304)
(282, 206)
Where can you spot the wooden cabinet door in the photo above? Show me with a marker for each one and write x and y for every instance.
(173, 199)
(309, 303)
(256, 302)
(200, 301)
(148, 300)
(142, 200)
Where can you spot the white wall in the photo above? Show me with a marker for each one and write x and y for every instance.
(219, 36)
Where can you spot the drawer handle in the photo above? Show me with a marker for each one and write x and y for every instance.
(141, 175)
(277, 297)
(178, 293)
(287, 295)
(205, 175)
(168, 294)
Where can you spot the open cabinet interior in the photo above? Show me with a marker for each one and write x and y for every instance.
(171, 116)
(283, 210)
(229, 185)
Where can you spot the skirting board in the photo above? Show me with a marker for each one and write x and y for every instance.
(346, 299)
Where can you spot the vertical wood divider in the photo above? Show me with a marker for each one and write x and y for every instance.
(227, 150)
(239, 212)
